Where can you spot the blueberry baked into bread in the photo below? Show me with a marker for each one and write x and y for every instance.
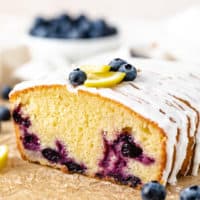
(105, 122)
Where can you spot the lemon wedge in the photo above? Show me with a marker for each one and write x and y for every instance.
(107, 79)
(95, 69)
(3, 155)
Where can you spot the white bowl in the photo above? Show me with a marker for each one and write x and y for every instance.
(70, 49)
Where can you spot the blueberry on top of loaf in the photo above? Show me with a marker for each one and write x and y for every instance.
(116, 71)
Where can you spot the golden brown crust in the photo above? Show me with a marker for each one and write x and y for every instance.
(16, 94)
(18, 141)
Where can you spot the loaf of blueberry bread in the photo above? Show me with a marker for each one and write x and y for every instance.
(109, 124)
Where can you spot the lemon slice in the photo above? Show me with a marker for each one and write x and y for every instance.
(95, 69)
(107, 79)
(3, 155)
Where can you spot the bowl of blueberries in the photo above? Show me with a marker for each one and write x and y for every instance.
(72, 37)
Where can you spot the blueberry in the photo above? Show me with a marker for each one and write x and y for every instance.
(64, 26)
(54, 30)
(5, 92)
(64, 18)
(40, 27)
(94, 34)
(153, 191)
(133, 181)
(99, 24)
(60, 31)
(191, 193)
(81, 18)
(130, 70)
(74, 34)
(31, 142)
(61, 25)
(99, 175)
(131, 150)
(97, 28)
(116, 64)
(77, 77)
(39, 21)
(84, 28)
(4, 113)
(19, 119)
(110, 31)
(40, 31)
(74, 167)
(51, 155)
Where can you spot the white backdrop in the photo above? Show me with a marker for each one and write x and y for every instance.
(113, 8)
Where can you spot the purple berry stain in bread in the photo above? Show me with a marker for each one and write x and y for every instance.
(24, 122)
(31, 142)
(74, 167)
(60, 156)
(117, 154)
(61, 151)
(51, 155)
(130, 150)
(69, 162)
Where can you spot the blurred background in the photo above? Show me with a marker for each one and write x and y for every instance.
(32, 46)
(121, 8)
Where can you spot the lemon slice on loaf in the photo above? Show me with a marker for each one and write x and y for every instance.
(103, 75)
(107, 79)
(95, 69)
